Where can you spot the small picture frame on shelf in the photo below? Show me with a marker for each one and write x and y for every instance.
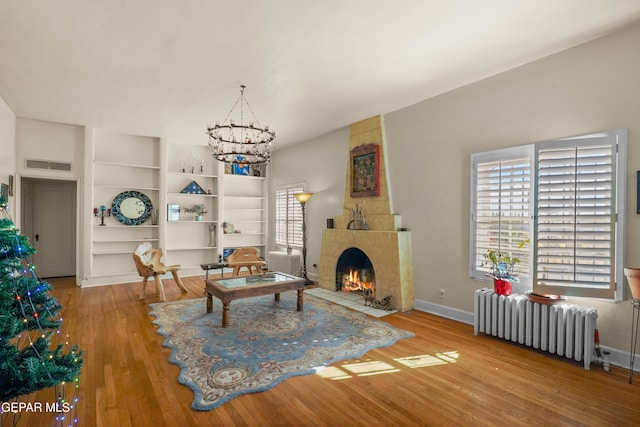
(227, 228)
(173, 212)
(258, 169)
(240, 168)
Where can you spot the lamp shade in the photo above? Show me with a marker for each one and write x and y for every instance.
(303, 197)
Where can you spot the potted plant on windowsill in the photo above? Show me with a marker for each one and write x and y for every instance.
(199, 210)
(501, 271)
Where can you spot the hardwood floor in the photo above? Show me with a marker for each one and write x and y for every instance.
(445, 376)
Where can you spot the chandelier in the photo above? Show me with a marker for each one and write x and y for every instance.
(241, 143)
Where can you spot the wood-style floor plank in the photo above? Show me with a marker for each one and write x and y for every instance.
(450, 377)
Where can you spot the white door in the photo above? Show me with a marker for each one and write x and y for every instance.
(49, 220)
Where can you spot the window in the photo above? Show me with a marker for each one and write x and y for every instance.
(288, 216)
(576, 220)
(578, 190)
(501, 208)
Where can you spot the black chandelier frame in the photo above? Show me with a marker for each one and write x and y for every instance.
(241, 143)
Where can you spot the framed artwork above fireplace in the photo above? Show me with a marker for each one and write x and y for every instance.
(365, 171)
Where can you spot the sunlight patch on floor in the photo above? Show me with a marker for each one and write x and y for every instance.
(429, 360)
(377, 367)
(374, 367)
(332, 373)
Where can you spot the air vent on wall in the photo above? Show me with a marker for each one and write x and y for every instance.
(43, 164)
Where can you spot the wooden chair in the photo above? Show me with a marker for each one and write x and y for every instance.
(246, 257)
(148, 262)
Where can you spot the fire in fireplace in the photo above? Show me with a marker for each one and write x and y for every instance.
(357, 281)
(354, 272)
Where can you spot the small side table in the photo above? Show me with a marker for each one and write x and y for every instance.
(213, 266)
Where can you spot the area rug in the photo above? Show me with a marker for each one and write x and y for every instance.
(265, 343)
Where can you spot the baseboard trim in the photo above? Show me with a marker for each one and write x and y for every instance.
(444, 311)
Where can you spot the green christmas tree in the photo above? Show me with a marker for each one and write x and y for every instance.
(33, 353)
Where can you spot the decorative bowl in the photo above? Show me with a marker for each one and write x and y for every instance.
(545, 299)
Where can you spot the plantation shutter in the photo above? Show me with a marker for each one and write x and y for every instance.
(575, 220)
(502, 211)
(280, 215)
(288, 217)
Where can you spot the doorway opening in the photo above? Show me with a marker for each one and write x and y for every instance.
(48, 219)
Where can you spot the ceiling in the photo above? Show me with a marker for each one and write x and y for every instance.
(169, 68)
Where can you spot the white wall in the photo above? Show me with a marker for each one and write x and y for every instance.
(321, 164)
(7, 144)
(588, 88)
(56, 142)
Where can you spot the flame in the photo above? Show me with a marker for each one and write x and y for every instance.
(352, 283)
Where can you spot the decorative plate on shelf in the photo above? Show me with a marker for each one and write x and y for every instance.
(132, 207)
(545, 299)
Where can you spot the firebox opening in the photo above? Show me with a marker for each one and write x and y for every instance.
(354, 272)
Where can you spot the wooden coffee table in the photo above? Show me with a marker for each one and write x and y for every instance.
(227, 290)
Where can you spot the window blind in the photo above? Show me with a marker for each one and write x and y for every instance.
(503, 211)
(288, 217)
(575, 217)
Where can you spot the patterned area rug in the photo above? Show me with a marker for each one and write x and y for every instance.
(266, 342)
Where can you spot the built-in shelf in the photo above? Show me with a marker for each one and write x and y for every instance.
(189, 242)
(245, 209)
(198, 248)
(128, 187)
(116, 168)
(246, 222)
(247, 177)
(125, 165)
(190, 174)
(122, 252)
(191, 221)
(244, 234)
(154, 166)
(192, 194)
(142, 239)
(102, 227)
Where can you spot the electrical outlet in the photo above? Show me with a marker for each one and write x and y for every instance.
(442, 293)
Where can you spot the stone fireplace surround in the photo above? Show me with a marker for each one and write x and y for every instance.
(388, 252)
(388, 249)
